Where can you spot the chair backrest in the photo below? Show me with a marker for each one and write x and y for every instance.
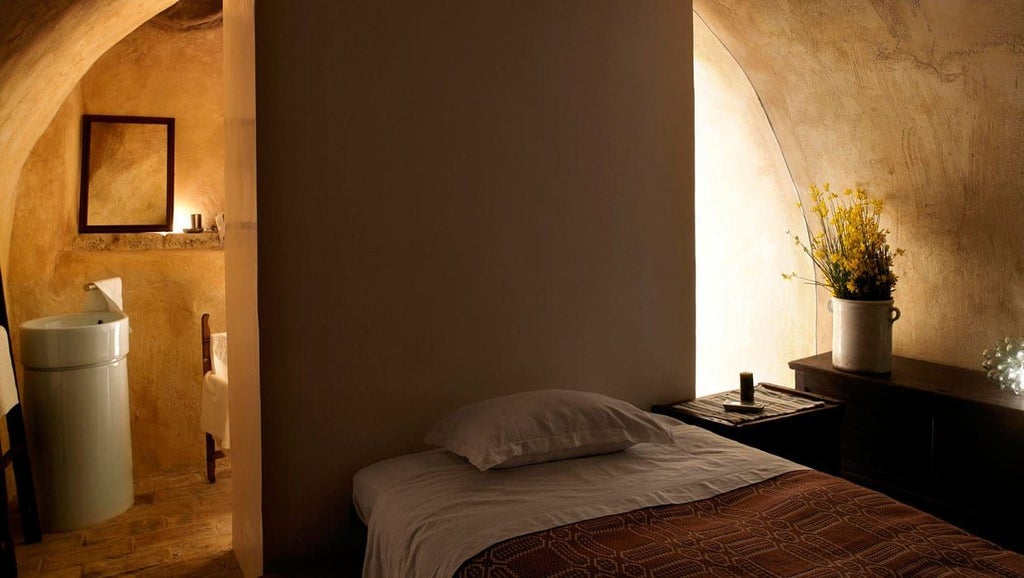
(16, 455)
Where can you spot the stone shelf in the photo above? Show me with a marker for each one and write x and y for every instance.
(148, 241)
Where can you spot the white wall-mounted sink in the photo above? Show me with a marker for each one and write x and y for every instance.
(74, 339)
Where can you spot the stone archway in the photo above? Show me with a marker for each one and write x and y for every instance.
(919, 103)
(49, 46)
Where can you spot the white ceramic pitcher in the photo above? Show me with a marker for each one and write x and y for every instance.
(862, 334)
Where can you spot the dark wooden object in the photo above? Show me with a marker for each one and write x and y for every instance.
(212, 453)
(16, 456)
(809, 437)
(942, 438)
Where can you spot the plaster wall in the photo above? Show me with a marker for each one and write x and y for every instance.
(923, 104)
(459, 200)
(748, 317)
(240, 272)
(152, 72)
(48, 47)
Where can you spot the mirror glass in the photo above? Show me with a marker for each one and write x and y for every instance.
(127, 174)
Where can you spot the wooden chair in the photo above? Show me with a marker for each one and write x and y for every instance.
(16, 456)
(212, 453)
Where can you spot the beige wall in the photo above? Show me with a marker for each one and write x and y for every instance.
(180, 74)
(456, 201)
(748, 317)
(240, 270)
(152, 72)
(920, 103)
(48, 47)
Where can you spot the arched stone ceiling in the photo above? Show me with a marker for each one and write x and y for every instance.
(923, 103)
(191, 15)
(834, 72)
(47, 48)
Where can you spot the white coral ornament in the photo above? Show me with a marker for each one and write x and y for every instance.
(1005, 364)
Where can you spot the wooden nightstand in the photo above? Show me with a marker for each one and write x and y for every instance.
(808, 436)
(943, 439)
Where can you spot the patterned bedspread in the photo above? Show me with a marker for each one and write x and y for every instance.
(803, 523)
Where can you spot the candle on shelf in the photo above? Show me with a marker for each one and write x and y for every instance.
(747, 387)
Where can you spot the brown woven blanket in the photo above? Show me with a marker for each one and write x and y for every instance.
(803, 523)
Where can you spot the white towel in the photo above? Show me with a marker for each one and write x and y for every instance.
(8, 388)
(219, 353)
(106, 296)
(213, 416)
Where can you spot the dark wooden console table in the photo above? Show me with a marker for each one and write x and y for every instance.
(942, 438)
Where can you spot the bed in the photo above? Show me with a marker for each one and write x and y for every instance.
(687, 503)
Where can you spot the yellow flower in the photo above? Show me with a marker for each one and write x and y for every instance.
(850, 251)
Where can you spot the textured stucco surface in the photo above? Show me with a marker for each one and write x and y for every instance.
(748, 317)
(160, 72)
(152, 72)
(923, 104)
(47, 48)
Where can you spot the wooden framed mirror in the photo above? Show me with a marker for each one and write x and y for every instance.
(127, 174)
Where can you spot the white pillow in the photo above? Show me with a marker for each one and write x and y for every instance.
(543, 426)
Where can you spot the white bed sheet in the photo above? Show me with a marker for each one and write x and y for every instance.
(429, 512)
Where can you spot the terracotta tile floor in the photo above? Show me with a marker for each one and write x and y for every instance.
(180, 525)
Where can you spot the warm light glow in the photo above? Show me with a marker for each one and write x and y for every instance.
(183, 217)
(748, 317)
